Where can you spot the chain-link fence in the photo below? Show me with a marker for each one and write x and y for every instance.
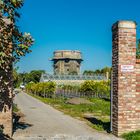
(76, 93)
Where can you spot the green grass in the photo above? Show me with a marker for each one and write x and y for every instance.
(95, 114)
(132, 135)
(15, 108)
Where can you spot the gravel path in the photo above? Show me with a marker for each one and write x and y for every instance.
(47, 123)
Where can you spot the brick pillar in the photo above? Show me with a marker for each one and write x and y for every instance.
(124, 104)
(137, 110)
(138, 76)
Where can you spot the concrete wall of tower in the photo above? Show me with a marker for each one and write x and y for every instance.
(67, 62)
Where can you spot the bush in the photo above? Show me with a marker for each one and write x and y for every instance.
(69, 87)
(101, 87)
(46, 89)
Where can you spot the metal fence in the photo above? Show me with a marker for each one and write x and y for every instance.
(50, 77)
(61, 93)
(75, 93)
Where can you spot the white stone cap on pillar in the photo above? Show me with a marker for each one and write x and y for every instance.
(125, 24)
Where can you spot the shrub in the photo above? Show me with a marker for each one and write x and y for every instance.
(41, 89)
(101, 87)
(69, 87)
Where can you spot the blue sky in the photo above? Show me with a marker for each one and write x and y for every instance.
(83, 25)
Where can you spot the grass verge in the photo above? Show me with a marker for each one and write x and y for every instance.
(15, 108)
(132, 135)
(95, 114)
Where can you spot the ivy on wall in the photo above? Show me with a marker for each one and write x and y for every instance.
(138, 50)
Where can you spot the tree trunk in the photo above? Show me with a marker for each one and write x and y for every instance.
(6, 103)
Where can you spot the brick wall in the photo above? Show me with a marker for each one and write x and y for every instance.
(137, 75)
(137, 111)
(125, 110)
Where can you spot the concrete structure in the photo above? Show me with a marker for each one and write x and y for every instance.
(126, 97)
(67, 62)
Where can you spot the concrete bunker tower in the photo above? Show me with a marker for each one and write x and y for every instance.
(67, 62)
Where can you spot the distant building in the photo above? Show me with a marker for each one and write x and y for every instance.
(67, 62)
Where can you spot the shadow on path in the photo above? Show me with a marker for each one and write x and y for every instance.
(104, 125)
(4, 137)
(18, 124)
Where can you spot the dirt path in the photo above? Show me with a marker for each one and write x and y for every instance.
(46, 123)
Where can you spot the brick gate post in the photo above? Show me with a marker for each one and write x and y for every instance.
(124, 108)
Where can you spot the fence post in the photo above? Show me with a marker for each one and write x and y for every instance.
(107, 75)
(44, 93)
(111, 92)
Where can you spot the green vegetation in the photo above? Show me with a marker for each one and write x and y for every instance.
(46, 89)
(25, 78)
(69, 87)
(15, 108)
(132, 135)
(101, 87)
(138, 50)
(35, 75)
(32, 76)
(98, 71)
(14, 44)
(95, 114)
